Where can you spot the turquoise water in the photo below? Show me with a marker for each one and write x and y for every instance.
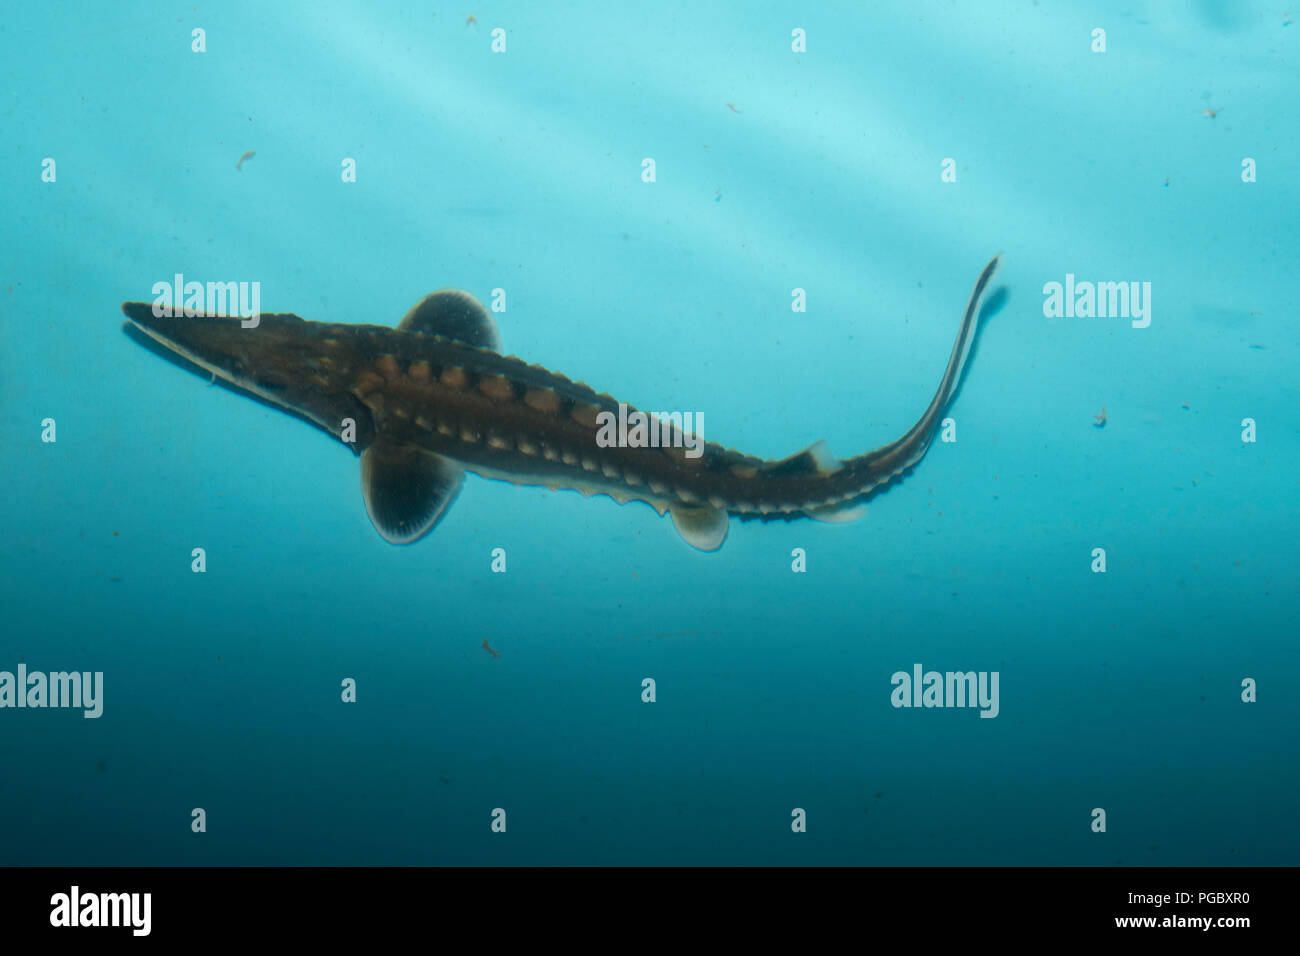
(775, 170)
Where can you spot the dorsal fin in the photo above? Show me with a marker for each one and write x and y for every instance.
(816, 459)
(406, 489)
(455, 314)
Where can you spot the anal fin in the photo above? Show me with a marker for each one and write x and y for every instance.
(406, 489)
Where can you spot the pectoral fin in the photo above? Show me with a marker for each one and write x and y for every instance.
(700, 526)
(406, 489)
(455, 314)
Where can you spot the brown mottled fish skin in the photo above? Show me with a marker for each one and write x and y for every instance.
(502, 418)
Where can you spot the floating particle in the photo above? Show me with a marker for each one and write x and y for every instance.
(248, 155)
(732, 107)
(487, 647)
(1100, 419)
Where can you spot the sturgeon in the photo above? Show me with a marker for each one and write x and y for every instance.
(435, 397)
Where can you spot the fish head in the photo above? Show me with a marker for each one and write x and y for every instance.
(295, 365)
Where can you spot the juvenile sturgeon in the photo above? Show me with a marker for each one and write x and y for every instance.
(426, 401)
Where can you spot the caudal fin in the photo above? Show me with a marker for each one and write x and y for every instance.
(878, 467)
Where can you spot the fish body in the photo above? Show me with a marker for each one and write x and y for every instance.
(435, 397)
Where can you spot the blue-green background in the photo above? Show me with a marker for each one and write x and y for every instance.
(522, 171)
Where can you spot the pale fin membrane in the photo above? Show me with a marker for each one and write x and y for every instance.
(816, 459)
(406, 489)
(838, 514)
